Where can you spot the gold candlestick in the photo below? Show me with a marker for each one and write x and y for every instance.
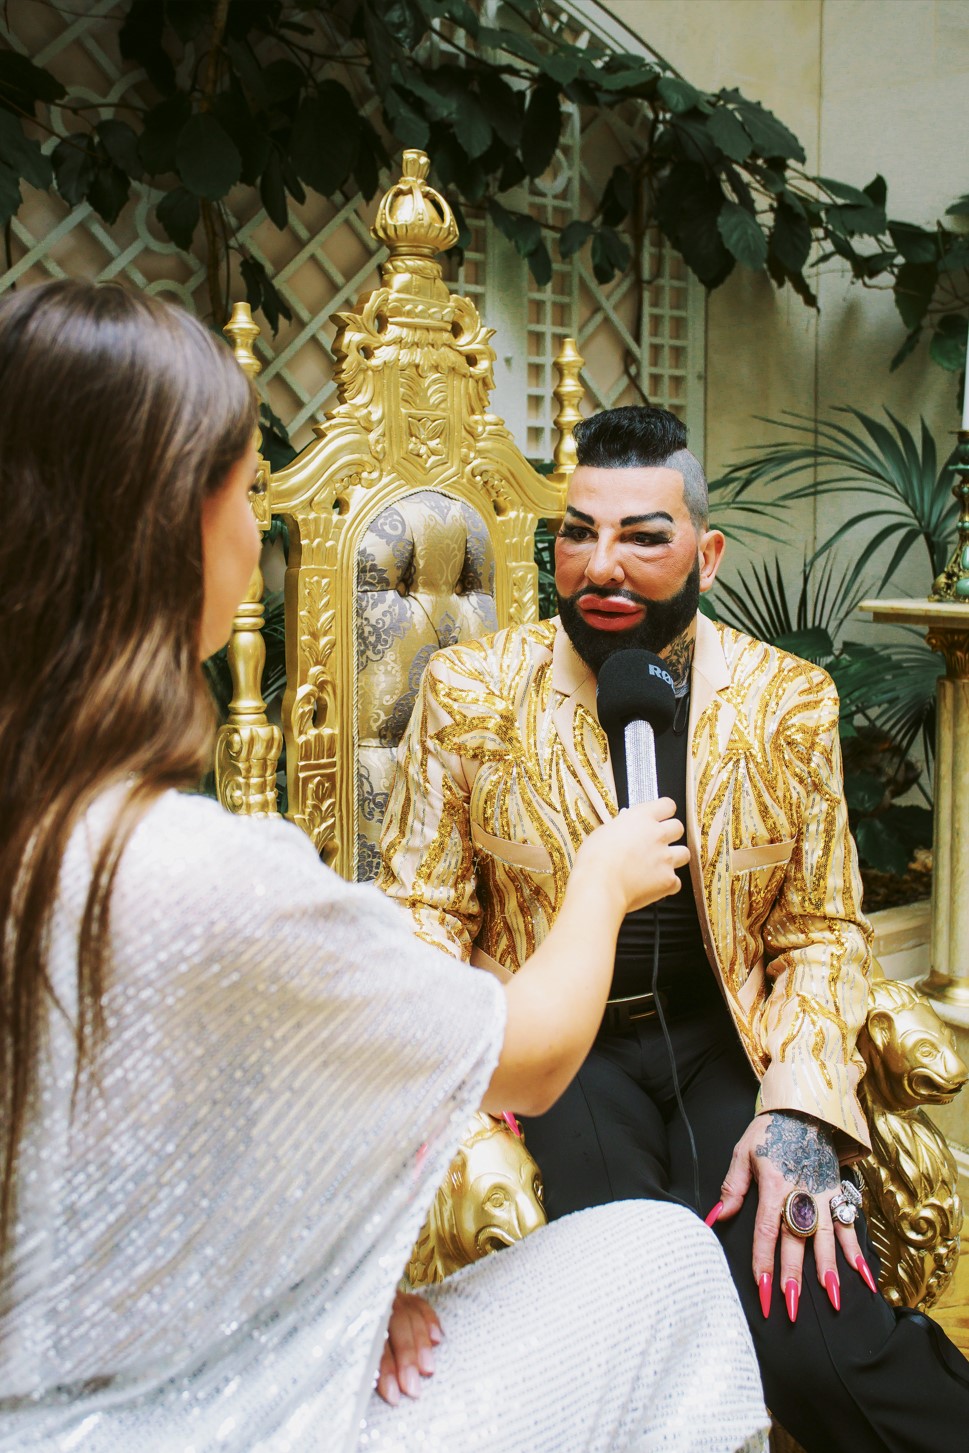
(953, 583)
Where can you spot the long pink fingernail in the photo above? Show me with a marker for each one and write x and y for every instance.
(434, 1332)
(833, 1288)
(792, 1294)
(713, 1216)
(765, 1284)
(864, 1271)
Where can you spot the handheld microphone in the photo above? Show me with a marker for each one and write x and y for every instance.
(634, 693)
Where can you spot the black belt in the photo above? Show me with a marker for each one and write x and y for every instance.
(622, 1014)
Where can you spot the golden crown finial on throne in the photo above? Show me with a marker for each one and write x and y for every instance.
(413, 218)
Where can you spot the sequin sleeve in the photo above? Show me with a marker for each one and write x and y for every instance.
(212, 1238)
(816, 938)
(426, 849)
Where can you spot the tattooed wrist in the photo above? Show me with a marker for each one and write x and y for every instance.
(801, 1148)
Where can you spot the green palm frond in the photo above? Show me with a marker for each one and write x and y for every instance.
(807, 624)
(912, 495)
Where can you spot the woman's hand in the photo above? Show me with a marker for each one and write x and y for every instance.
(636, 854)
(408, 1355)
(786, 1152)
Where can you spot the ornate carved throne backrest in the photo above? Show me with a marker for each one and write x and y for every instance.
(411, 523)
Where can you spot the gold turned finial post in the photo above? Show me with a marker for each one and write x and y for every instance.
(248, 747)
(242, 333)
(568, 394)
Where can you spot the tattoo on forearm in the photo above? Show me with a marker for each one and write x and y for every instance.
(678, 656)
(802, 1152)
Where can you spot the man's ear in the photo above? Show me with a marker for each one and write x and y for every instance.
(711, 547)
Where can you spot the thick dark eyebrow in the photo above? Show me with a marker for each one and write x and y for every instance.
(644, 519)
(627, 521)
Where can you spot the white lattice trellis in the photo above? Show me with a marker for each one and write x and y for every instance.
(633, 347)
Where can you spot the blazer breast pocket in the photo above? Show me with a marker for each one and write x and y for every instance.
(533, 857)
(764, 855)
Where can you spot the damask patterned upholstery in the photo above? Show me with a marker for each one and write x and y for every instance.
(425, 579)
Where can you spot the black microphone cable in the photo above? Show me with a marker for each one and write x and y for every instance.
(672, 1059)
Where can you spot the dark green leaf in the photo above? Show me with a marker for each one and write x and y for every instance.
(208, 160)
(21, 155)
(687, 207)
(948, 345)
(140, 39)
(22, 84)
(540, 265)
(281, 80)
(524, 231)
(770, 136)
(472, 126)
(371, 156)
(502, 106)
(540, 129)
(609, 255)
(618, 197)
(742, 235)
(959, 208)
(955, 258)
(404, 21)
(679, 95)
(574, 237)
(696, 140)
(74, 168)
(639, 78)
(10, 197)
(410, 127)
(178, 213)
(790, 240)
(159, 137)
(121, 145)
(877, 191)
(906, 350)
(841, 190)
(108, 192)
(729, 134)
(325, 138)
(248, 71)
(249, 136)
(272, 190)
(880, 847)
(863, 791)
(865, 221)
(914, 287)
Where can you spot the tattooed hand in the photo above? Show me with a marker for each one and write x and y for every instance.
(785, 1152)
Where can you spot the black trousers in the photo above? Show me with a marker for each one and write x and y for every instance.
(865, 1379)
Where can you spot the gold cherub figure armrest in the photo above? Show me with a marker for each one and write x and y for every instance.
(490, 1197)
(910, 1180)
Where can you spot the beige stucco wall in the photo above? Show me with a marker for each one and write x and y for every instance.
(868, 86)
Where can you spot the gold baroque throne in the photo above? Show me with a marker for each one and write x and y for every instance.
(411, 522)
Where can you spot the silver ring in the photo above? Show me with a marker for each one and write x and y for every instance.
(845, 1202)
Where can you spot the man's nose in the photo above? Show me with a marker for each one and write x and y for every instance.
(603, 567)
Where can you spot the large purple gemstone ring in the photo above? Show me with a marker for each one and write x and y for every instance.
(801, 1214)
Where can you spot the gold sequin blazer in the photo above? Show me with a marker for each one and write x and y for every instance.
(504, 769)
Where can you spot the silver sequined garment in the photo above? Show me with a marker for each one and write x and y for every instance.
(206, 1251)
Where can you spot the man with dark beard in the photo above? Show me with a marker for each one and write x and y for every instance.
(758, 972)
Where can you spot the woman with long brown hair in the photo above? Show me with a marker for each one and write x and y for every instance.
(230, 1082)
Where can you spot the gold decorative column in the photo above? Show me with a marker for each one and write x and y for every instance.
(568, 394)
(946, 624)
(248, 747)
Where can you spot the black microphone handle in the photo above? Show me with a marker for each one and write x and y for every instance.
(640, 745)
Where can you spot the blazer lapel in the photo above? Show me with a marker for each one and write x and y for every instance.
(578, 728)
